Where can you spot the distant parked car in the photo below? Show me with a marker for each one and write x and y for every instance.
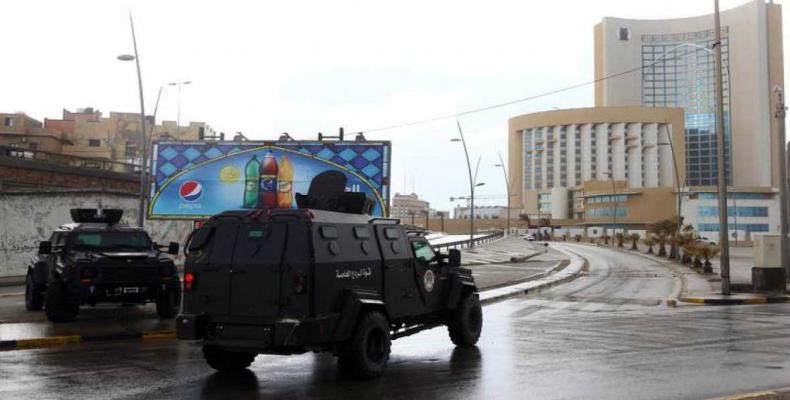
(528, 236)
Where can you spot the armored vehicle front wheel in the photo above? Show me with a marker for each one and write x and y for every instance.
(368, 350)
(34, 299)
(56, 303)
(466, 321)
(227, 361)
(167, 303)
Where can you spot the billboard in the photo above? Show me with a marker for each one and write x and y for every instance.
(195, 180)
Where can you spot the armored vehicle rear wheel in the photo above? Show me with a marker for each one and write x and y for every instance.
(167, 303)
(368, 351)
(34, 299)
(227, 361)
(466, 321)
(57, 307)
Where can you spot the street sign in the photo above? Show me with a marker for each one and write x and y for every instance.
(195, 180)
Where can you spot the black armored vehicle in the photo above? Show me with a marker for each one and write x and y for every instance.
(96, 259)
(289, 281)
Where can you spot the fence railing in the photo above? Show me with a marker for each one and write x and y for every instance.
(69, 160)
(459, 244)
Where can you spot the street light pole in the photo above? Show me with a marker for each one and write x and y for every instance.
(143, 140)
(724, 241)
(471, 187)
(507, 186)
(783, 207)
(178, 112)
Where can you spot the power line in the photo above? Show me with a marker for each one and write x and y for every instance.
(524, 99)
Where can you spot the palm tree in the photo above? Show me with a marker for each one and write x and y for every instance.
(634, 237)
(649, 241)
(661, 238)
(577, 237)
(707, 252)
(620, 237)
(665, 230)
(691, 249)
(605, 237)
(524, 219)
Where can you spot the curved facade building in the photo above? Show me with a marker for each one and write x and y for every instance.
(587, 165)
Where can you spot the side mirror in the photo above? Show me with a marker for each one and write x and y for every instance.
(454, 258)
(172, 248)
(45, 247)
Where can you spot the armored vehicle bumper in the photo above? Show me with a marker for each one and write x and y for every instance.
(281, 336)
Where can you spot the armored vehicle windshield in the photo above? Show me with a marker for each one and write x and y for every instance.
(114, 240)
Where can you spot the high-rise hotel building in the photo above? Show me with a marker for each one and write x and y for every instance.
(614, 164)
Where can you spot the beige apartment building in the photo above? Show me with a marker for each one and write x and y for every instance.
(117, 137)
(19, 131)
(404, 206)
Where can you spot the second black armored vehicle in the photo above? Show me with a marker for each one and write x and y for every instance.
(289, 281)
(96, 259)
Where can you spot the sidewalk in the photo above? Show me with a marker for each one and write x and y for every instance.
(706, 288)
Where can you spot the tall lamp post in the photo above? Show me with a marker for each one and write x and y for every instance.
(780, 114)
(143, 141)
(178, 115)
(471, 185)
(507, 186)
(724, 241)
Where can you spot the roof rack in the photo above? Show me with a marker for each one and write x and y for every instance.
(383, 220)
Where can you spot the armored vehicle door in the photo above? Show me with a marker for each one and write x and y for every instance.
(400, 292)
(212, 295)
(429, 276)
(256, 269)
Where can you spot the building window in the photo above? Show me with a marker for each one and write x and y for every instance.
(624, 34)
(131, 149)
(9, 121)
(94, 142)
(33, 146)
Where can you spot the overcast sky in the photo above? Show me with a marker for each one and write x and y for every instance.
(302, 67)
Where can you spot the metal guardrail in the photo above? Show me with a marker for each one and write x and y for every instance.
(68, 160)
(460, 244)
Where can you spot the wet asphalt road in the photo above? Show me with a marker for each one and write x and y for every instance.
(604, 335)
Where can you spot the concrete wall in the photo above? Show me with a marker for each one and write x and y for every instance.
(30, 217)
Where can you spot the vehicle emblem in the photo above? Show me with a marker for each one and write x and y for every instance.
(428, 280)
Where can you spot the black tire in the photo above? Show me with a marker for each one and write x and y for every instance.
(368, 351)
(466, 321)
(57, 306)
(34, 299)
(227, 361)
(167, 303)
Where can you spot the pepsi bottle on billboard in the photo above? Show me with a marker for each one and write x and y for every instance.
(268, 175)
(251, 183)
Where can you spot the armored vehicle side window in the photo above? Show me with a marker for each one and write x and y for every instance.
(361, 232)
(423, 251)
(391, 233)
(58, 239)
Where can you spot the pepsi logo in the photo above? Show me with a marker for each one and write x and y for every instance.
(190, 190)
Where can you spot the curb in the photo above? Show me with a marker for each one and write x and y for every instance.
(565, 271)
(713, 301)
(37, 343)
(511, 260)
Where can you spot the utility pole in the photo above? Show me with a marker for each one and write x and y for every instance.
(507, 186)
(780, 114)
(724, 241)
